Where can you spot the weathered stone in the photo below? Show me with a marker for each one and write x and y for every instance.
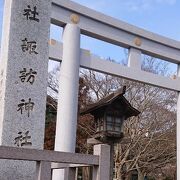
(102, 172)
(23, 81)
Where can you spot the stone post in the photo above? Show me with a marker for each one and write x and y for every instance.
(134, 58)
(68, 94)
(23, 81)
(112, 161)
(102, 172)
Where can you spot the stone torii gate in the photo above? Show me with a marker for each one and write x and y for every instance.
(23, 75)
(76, 20)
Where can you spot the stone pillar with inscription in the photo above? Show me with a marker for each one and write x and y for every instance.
(23, 81)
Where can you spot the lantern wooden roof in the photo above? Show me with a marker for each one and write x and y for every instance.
(110, 99)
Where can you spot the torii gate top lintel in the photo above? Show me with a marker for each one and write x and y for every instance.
(106, 28)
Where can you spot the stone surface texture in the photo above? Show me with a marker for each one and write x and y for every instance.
(102, 172)
(66, 124)
(13, 89)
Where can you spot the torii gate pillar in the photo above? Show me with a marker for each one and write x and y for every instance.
(68, 94)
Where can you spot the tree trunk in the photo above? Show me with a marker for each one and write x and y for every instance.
(118, 174)
(86, 173)
(128, 176)
(140, 174)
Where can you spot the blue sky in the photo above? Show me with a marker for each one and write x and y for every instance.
(158, 16)
(1, 14)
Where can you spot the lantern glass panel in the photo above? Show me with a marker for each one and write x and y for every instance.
(114, 123)
(118, 128)
(109, 123)
(118, 123)
(99, 125)
(109, 127)
(118, 120)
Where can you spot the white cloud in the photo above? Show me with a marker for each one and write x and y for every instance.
(93, 4)
(170, 2)
(131, 5)
(136, 5)
(99, 5)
